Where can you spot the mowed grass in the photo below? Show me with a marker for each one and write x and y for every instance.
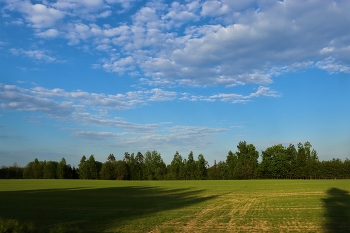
(179, 206)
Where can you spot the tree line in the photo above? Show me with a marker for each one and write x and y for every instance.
(277, 162)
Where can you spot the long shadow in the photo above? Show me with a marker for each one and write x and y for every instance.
(93, 210)
(337, 211)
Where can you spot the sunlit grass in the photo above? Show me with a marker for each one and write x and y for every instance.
(178, 206)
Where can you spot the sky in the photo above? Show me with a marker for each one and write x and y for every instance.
(100, 77)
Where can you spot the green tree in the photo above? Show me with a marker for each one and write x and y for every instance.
(62, 169)
(38, 169)
(111, 158)
(50, 170)
(28, 171)
(155, 168)
(140, 165)
(202, 166)
(231, 163)
(83, 170)
(107, 171)
(176, 167)
(247, 164)
(133, 168)
(274, 162)
(92, 168)
(292, 153)
(190, 167)
(120, 170)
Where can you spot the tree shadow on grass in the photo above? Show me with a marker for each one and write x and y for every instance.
(94, 210)
(337, 211)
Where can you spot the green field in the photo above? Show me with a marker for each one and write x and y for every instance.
(179, 206)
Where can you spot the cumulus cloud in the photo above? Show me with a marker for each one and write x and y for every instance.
(50, 33)
(216, 42)
(214, 8)
(39, 15)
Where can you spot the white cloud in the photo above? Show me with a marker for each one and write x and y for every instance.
(126, 4)
(237, 98)
(202, 43)
(18, 99)
(95, 135)
(50, 33)
(175, 137)
(214, 8)
(38, 55)
(81, 105)
(331, 66)
(84, 5)
(39, 15)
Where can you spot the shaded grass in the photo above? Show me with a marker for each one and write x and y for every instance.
(178, 206)
(337, 210)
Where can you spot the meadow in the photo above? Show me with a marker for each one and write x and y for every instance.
(179, 206)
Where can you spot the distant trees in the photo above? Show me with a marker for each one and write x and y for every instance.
(11, 172)
(49, 170)
(176, 168)
(277, 162)
(155, 168)
(89, 169)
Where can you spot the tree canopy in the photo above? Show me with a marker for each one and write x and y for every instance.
(276, 162)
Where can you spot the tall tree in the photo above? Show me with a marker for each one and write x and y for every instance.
(83, 170)
(111, 158)
(140, 165)
(176, 167)
(202, 166)
(247, 161)
(50, 170)
(62, 171)
(120, 170)
(274, 162)
(92, 168)
(155, 168)
(38, 169)
(292, 153)
(190, 167)
(107, 171)
(231, 163)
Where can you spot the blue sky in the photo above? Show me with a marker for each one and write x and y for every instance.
(82, 77)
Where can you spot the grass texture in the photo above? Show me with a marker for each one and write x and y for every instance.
(178, 206)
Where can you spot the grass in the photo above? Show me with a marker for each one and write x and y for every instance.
(178, 206)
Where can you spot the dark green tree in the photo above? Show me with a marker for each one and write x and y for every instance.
(231, 163)
(50, 170)
(155, 168)
(120, 170)
(274, 164)
(292, 161)
(190, 167)
(38, 169)
(83, 170)
(176, 167)
(140, 166)
(201, 168)
(247, 164)
(62, 169)
(107, 171)
(111, 158)
(92, 168)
